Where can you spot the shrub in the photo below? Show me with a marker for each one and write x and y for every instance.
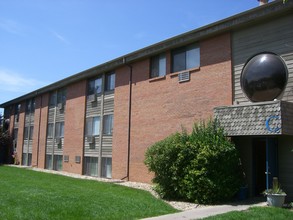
(201, 167)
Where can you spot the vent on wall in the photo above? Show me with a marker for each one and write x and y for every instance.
(184, 76)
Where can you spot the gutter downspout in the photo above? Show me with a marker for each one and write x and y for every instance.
(129, 120)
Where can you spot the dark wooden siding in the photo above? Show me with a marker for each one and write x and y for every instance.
(272, 36)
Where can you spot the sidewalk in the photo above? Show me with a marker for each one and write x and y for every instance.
(206, 211)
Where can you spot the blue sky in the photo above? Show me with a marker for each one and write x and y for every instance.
(43, 41)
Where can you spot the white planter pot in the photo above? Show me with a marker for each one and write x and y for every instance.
(276, 200)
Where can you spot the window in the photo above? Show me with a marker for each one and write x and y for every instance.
(158, 66)
(26, 133)
(95, 86)
(110, 82)
(17, 111)
(92, 126)
(30, 105)
(31, 132)
(50, 130)
(91, 166)
(186, 58)
(107, 167)
(59, 129)
(52, 101)
(108, 125)
(61, 96)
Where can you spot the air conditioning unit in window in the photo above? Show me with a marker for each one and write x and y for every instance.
(58, 141)
(60, 106)
(92, 98)
(184, 76)
(90, 139)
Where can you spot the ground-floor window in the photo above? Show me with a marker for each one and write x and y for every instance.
(107, 167)
(56, 164)
(26, 159)
(91, 166)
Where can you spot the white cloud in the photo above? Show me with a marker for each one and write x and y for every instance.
(13, 82)
(12, 27)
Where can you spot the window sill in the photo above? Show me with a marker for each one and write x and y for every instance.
(157, 78)
(190, 70)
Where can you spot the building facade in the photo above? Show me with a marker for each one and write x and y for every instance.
(101, 121)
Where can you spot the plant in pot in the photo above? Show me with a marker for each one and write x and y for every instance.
(275, 196)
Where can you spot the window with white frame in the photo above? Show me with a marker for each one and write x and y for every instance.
(108, 125)
(92, 126)
(158, 66)
(185, 58)
(50, 130)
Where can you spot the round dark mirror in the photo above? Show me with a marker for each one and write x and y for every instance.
(264, 77)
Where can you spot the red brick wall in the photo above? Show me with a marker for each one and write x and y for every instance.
(120, 128)
(74, 126)
(40, 129)
(162, 107)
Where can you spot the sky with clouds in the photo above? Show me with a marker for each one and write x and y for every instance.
(43, 41)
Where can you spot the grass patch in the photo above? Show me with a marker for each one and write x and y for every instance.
(255, 213)
(27, 194)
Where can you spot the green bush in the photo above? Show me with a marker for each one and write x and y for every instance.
(201, 167)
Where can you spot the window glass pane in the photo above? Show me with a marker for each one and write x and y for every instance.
(192, 56)
(33, 105)
(59, 129)
(108, 124)
(89, 125)
(52, 101)
(158, 66)
(61, 96)
(98, 85)
(155, 66)
(31, 132)
(110, 82)
(107, 167)
(50, 131)
(48, 162)
(162, 65)
(91, 87)
(96, 125)
(26, 133)
(178, 60)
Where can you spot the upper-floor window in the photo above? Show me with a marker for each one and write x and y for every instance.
(108, 124)
(110, 81)
(158, 65)
(28, 133)
(184, 58)
(95, 86)
(30, 105)
(16, 112)
(92, 126)
(57, 97)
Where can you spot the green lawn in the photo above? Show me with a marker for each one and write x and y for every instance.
(27, 194)
(256, 213)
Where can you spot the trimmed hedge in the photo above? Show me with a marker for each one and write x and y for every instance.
(201, 167)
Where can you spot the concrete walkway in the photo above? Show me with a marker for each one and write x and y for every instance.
(206, 211)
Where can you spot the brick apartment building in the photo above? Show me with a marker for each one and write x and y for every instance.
(99, 122)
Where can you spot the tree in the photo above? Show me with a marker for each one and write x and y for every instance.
(5, 142)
